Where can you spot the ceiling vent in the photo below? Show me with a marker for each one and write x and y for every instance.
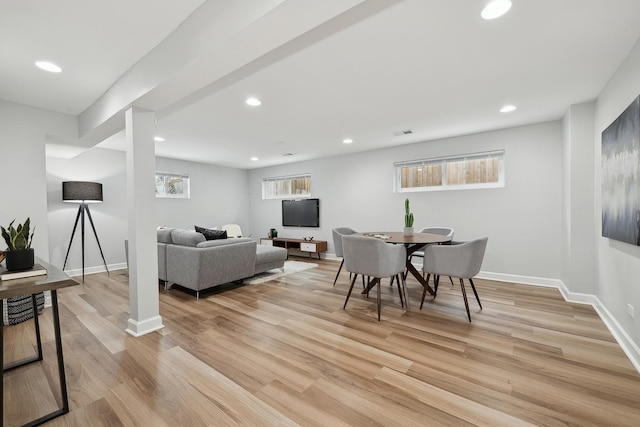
(403, 132)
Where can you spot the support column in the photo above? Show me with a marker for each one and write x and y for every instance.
(144, 302)
(578, 208)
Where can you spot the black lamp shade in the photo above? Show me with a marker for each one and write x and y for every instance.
(81, 191)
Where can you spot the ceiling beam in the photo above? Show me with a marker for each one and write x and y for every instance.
(216, 41)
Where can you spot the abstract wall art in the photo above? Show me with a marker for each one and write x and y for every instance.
(620, 177)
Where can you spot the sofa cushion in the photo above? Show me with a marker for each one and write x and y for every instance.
(222, 242)
(186, 238)
(211, 234)
(164, 235)
(268, 254)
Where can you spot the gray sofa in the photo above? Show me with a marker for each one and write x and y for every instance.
(186, 258)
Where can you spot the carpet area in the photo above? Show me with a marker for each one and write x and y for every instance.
(290, 267)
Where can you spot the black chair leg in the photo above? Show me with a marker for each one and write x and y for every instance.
(379, 285)
(424, 292)
(338, 273)
(405, 292)
(475, 293)
(399, 289)
(451, 280)
(403, 285)
(350, 289)
(464, 295)
(436, 282)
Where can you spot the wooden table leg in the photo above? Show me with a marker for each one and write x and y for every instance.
(414, 271)
(370, 286)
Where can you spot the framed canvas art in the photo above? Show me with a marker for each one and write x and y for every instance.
(620, 181)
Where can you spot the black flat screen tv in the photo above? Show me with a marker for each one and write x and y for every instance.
(301, 213)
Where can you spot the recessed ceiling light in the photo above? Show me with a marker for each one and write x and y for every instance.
(254, 159)
(508, 108)
(158, 139)
(254, 102)
(347, 141)
(496, 9)
(48, 66)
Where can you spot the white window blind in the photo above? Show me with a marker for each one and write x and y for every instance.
(286, 186)
(172, 185)
(476, 170)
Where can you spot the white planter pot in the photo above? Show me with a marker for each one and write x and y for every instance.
(408, 231)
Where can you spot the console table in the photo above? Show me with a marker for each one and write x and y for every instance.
(55, 279)
(309, 246)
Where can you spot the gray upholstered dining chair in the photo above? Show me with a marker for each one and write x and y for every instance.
(337, 243)
(372, 257)
(443, 231)
(459, 259)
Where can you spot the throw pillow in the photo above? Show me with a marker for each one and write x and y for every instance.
(210, 234)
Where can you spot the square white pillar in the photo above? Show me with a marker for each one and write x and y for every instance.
(144, 302)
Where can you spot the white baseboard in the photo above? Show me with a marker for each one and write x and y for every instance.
(98, 269)
(87, 270)
(629, 347)
(139, 328)
(525, 280)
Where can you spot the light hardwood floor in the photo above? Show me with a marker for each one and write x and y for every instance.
(286, 353)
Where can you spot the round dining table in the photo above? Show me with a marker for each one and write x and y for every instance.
(413, 243)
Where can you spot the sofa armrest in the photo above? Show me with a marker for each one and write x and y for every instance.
(201, 268)
(162, 261)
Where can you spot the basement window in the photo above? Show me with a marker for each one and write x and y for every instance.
(468, 171)
(172, 185)
(286, 186)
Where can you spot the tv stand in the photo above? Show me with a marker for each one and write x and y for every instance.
(301, 245)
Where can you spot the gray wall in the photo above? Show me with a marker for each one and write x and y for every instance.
(23, 190)
(522, 220)
(618, 263)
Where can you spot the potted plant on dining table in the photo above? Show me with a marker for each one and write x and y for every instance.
(408, 219)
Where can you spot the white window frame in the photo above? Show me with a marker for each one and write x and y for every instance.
(162, 189)
(284, 181)
(499, 154)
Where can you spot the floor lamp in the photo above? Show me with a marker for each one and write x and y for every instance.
(82, 192)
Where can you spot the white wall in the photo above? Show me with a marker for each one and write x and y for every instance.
(618, 263)
(23, 189)
(578, 228)
(99, 165)
(218, 196)
(522, 220)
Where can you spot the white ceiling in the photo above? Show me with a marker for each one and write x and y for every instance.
(95, 42)
(363, 72)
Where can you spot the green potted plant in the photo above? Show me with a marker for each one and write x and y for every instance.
(408, 219)
(19, 254)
